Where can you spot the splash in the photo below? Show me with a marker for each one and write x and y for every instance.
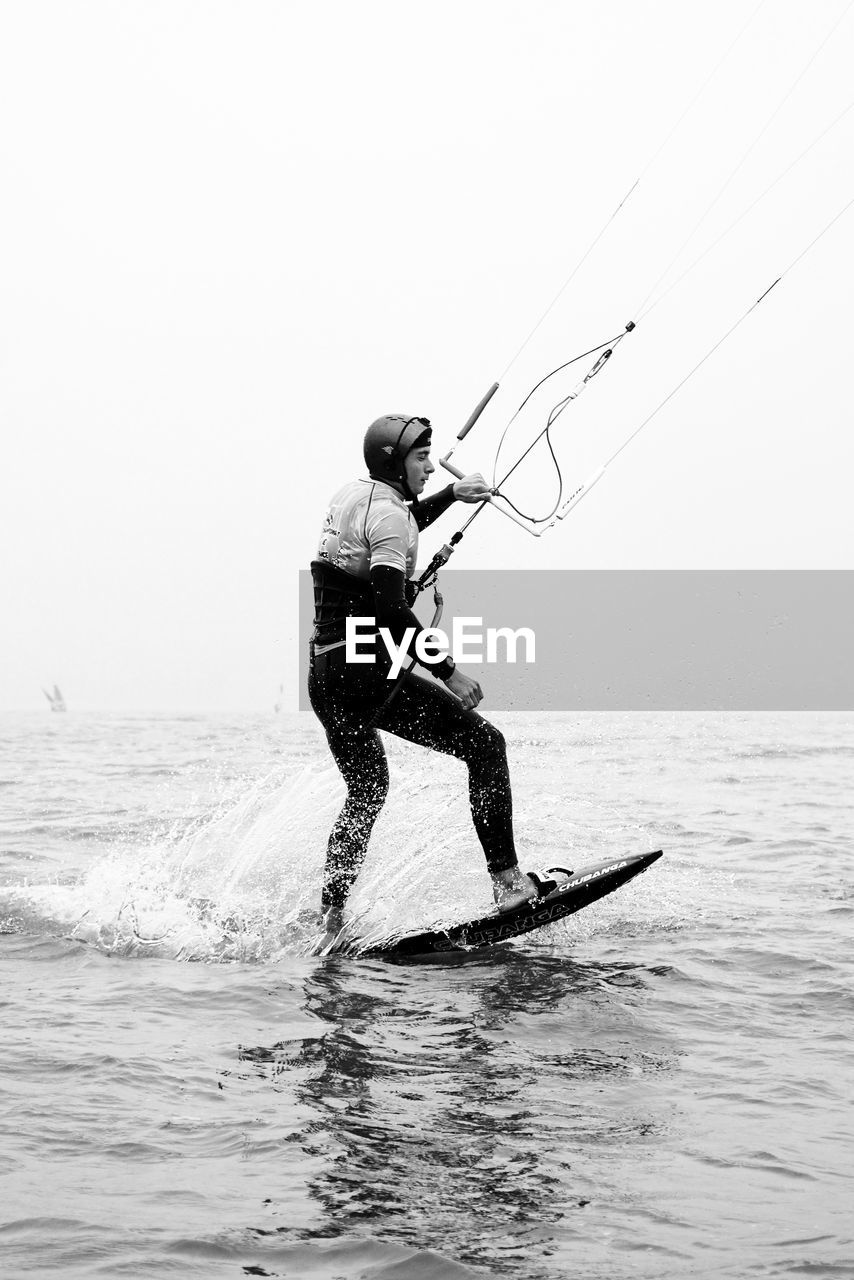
(244, 884)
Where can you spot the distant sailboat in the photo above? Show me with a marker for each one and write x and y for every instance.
(56, 700)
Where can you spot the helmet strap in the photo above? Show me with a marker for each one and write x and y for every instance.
(407, 492)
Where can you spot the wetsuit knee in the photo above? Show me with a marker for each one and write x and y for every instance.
(489, 744)
(348, 840)
(369, 795)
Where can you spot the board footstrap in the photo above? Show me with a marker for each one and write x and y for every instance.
(547, 881)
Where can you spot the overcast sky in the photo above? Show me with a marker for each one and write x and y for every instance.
(236, 233)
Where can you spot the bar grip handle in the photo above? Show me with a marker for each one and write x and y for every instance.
(478, 411)
(449, 466)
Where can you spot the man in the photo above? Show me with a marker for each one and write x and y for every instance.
(366, 556)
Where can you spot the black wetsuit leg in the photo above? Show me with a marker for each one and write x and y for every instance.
(423, 712)
(360, 755)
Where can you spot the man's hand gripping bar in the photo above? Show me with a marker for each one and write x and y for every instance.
(460, 474)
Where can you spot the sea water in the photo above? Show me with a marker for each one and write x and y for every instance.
(657, 1087)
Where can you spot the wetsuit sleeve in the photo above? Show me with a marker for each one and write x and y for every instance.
(387, 535)
(392, 611)
(424, 513)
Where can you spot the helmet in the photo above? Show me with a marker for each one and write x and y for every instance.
(388, 441)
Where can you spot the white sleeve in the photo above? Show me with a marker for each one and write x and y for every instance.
(387, 532)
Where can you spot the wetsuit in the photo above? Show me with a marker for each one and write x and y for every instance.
(366, 554)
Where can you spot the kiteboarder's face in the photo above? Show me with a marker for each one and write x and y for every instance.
(418, 468)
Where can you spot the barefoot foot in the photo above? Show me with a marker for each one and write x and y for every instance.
(511, 888)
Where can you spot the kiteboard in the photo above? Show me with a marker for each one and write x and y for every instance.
(578, 891)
